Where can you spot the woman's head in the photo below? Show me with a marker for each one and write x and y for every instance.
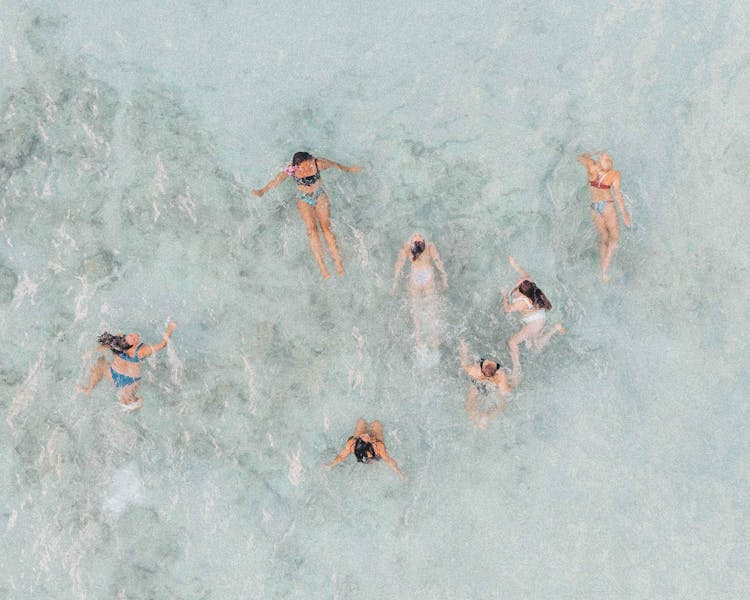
(605, 161)
(533, 293)
(118, 343)
(363, 449)
(300, 157)
(417, 245)
(489, 367)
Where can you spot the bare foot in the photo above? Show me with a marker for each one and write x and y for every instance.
(560, 328)
(340, 268)
(326, 274)
(134, 405)
(605, 277)
(83, 390)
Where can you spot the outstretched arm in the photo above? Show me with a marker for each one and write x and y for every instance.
(618, 198)
(148, 350)
(324, 163)
(348, 449)
(386, 458)
(519, 270)
(271, 184)
(400, 261)
(439, 264)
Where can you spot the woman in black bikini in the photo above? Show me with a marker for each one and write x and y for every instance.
(602, 177)
(312, 202)
(367, 446)
(488, 378)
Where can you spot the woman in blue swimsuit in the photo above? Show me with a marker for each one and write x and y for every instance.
(125, 369)
(312, 202)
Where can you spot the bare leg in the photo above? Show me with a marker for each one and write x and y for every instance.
(360, 427)
(307, 213)
(610, 219)
(323, 211)
(128, 397)
(99, 370)
(420, 294)
(528, 332)
(601, 227)
(543, 338)
(472, 405)
(376, 430)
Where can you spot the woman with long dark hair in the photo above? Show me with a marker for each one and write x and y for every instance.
(367, 446)
(532, 305)
(312, 202)
(124, 371)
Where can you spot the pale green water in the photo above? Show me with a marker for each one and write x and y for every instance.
(129, 140)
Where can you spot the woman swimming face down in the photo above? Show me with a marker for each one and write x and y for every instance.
(532, 292)
(417, 245)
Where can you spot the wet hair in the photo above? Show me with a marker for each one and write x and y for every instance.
(116, 343)
(416, 249)
(533, 293)
(363, 450)
(481, 366)
(300, 157)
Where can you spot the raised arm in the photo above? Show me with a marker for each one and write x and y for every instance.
(400, 262)
(324, 163)
(501, 380)
(439, 264)
(348, 449)
(148, 350)
(271, 184)
(519, 270)
(618, 198)
(472, 369)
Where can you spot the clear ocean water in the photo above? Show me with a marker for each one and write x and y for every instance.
(130, 136)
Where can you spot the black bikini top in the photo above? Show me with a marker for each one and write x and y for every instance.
(309, 179)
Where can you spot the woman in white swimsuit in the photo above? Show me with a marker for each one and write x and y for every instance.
(528, 300)
(422, 275)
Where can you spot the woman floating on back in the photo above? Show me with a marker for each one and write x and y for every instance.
(602, 178)
(312, 202)
(125, 369)
(531, 303)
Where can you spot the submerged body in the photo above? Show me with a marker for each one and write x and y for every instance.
(422, 286)
(489, 383)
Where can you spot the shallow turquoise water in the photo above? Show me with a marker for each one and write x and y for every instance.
(129, 140)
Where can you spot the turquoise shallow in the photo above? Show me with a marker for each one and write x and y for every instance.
(130, 137)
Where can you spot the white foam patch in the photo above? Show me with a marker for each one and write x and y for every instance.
(125, 489)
